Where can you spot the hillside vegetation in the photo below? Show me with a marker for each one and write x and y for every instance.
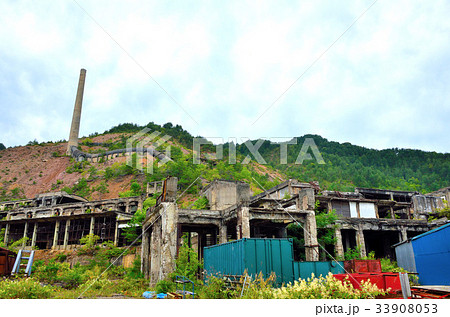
(348, 166)
(35, 168)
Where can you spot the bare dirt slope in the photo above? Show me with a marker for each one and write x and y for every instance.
(36, 169)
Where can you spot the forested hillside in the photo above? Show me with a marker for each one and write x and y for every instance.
(346, 166)
(35, 168)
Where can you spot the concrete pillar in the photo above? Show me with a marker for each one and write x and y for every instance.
(91, 227)
(66, 234)
(339, 247)
(330, 206)
(55, 235)
(360, 241)
(245, 222)
(25, 235)
(376, 210)
(223, 233)
(310, 234)
(75, 127)
(163, 242)
(392, 212)
(282, 232)
(155, 253)
(169, 226)
(6, 240)
(145, 265)
(116, 233)
(171, 189)
(33, 240)
(200, 243)
(140, 203)
(358, 211)
(403, 234)
(306, 199)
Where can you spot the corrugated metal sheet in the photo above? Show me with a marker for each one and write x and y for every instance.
(342, 207)
(251, 255)
(405, 256)
(304, 270)
(432, 256)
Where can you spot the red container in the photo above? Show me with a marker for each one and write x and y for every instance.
(362, 266)
(393, 281)
(383, 281)
(7, 259)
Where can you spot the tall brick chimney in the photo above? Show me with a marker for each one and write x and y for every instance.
(75, 127)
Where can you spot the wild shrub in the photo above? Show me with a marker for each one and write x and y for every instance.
(71, 278)
(2, 238)
(201, 203)
(57, 272)
(135, 190)
(165, 286)
(134, 272)
(131, 232)
(28, 288)
(216, 288)
(257, 287)
(390, 266)
(313, 288)
(76, 167)
(108, 251)
(88, 244)
(61, 257)
(19, 243)
(353, 253)
(187, 264)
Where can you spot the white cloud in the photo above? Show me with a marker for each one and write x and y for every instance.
(383, 84)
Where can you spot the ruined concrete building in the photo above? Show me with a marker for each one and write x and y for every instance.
(372, 219)
(59, 220)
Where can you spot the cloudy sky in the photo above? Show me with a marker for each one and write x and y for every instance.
(222, 68)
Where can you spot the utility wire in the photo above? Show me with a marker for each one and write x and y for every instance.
(133, 59)
(315, 61)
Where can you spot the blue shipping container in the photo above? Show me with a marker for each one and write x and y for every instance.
(432, 256)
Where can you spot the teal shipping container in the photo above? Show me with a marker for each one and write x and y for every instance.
(304, 270)
(267, 256)
(253, 255)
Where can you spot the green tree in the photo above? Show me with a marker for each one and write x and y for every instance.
(131, 232)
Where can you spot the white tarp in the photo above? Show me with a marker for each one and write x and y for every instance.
(366, 210)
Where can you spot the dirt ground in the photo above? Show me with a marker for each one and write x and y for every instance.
(38, 169)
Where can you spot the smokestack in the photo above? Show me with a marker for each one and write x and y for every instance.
(75, 127)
